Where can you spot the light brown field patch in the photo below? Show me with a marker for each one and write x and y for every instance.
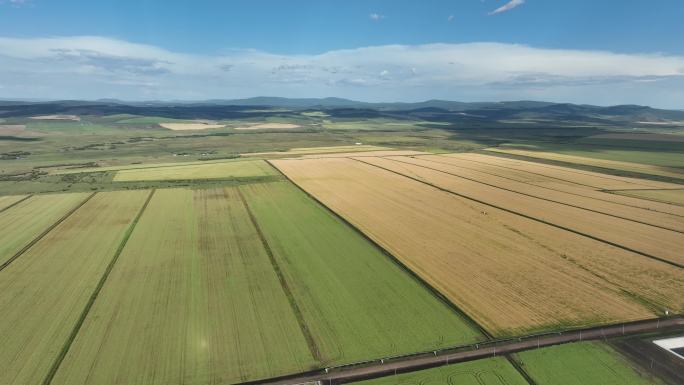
(675, 197)
(554, 183)
(57, 117)
(452, 167)
(366, 154)
(578, 177)
(12, 129)
(602, 163)
(269, 126)
(191, 126)
(510, 273)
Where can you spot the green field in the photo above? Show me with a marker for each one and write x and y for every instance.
(193, 299)
(8, 200)
(196, 267)
(44, 292)
(356, 302)
(584, 363)
(225, 170)
(22, 223)
(491, 371)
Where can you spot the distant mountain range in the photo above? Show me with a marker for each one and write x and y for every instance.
(534, 112)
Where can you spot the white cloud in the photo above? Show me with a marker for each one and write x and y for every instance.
(94, 67)
(376, 16)
(508, 6)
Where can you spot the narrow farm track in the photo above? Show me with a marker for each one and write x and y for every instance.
(377, 369)
(672, 263)
(310, 341)
(55, 366)
(479, 170)
(537, 196)
(44, 233)
(15, 203)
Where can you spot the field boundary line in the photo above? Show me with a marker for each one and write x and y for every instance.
(625, 194)
(421, 157)
(310, 341)
(517, 366)
(44, 233)
(672, 263)
(582, 167)
(536, 197)
(16, 203)
(91, 301)
(519, 170)
(436, 293)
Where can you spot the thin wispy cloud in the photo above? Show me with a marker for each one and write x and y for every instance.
(16, 3)
(451, 18)
(508, 6)
(91, 67)
(376, 16)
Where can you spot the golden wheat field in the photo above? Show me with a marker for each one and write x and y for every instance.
(653, 241)
(510, 273)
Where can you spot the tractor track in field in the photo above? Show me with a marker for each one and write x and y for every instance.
(675, 264)
(426, 360)
(15, 203)
(310, 341)
(44, 233)
(91, 301)
(537, 197)
(544, 187)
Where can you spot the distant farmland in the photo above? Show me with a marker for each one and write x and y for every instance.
(259, 281)
(511, 273)
(223, 170)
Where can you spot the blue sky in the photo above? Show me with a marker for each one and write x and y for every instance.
(603, 52)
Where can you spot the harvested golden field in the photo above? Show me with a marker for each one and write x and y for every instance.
(673, 197)
(511, 274)
(554, 184)
(24, 222)
(367, 153)
(653, 241)
(191, 126)
(44, 292)
(9, 200)
(566, 174)
(223, 170)
(441, 163)
(269, 126)
(193, 299)
(609, 164)
(57, 117)
(318, 150)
